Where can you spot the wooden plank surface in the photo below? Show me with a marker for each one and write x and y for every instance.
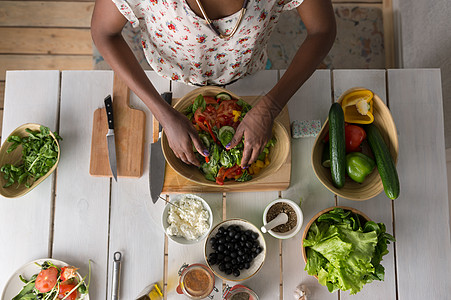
(250, 206)
(311, 102)
(36, 13)
(2, 94)
(84, 199)
(132, 211)
(379, 209)
(421, 212)
(25, 221)
(16, 40)
(43, 62)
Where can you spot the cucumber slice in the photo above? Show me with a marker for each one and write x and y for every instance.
(224, 96)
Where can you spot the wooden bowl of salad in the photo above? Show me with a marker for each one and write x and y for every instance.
(372, 185)
(14, 181)
(223, 112)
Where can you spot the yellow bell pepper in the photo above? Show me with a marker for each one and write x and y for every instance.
(358, 107)
(236, 115)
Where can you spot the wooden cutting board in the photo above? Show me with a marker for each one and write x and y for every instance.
(278, 181)
(129, 131)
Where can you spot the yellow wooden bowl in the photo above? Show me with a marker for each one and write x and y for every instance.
(277, 154)
(372, 186)
(307, 227)
(15, 157)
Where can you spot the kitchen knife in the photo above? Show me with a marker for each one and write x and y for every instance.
(157, 162)
(110, 136)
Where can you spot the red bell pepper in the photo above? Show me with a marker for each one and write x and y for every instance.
(224, 173)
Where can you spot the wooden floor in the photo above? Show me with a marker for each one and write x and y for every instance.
(43, 35)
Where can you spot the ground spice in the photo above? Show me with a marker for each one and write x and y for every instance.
(240, 296)
(278, 208)
(197, 282)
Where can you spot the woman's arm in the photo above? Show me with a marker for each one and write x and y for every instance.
(106, 27)
(319, 19)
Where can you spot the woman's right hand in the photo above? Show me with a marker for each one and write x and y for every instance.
(182, 136)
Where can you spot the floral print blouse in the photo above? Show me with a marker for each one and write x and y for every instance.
(180, 46)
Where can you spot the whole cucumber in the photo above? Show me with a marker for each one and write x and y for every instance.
(384, 161)
(337, 146)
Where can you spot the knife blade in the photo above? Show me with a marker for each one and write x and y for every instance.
(157, 161)
(110, 136)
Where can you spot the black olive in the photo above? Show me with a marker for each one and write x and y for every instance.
(214, 246)
(241, 266)
(237, 236)
(221, 229)
(233, 254)
(249, 245)
(228, 271)
(240, 252)
(228, 238)
(238, 228)
(226, 251)
(231, 233)
(213, 240)
(254, 235)
(221, 240)
(228, 265)
(239, 259)
(259, 249)
(221, 248)
(227, 258)
(234, 261)
(220, 256)
(254, 249)
(247, 265)
(212, 261)
(243, 238)
(213, 255)
(248, 232)
(236, 273)
(221, 267)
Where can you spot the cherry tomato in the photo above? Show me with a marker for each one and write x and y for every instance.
(65, 289)
(68, 272)
(354, 137)
(46, 279)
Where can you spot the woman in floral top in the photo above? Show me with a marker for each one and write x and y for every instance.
(181, 45)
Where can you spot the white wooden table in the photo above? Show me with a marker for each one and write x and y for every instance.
(75, 217)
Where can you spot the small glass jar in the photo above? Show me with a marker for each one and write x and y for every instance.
(240, 292)
(196, 281)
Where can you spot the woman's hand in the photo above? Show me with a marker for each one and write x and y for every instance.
(182, 136)
(256, 127)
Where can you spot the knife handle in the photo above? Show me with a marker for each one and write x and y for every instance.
(167, 96)
(109, 111)
(116, 275)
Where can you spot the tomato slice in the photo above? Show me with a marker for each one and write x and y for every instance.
(209, 115)
(65, 289)
(210, 100)
(46, 279)
(68, 272)
(225, 112)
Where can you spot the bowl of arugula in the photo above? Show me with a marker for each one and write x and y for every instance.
(343, 249)
(28, 156)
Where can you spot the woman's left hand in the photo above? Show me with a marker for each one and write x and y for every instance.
(256, 127)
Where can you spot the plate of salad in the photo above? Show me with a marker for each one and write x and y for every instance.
(216, 113)
(47, 279)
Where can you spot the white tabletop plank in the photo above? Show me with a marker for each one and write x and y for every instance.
(421, 212)
(132, 211)
(311, 102)
(250, 206)
(82, 201)
(379, 208)
(30, 97)
(179, 255)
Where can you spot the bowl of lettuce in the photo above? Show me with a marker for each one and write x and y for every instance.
(215, 113)
(343, 249)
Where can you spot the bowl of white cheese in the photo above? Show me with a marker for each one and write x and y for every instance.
(189, 220)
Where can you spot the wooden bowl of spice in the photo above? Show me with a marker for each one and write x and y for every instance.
(295, 218)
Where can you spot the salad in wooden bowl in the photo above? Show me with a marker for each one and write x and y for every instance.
(216, 113)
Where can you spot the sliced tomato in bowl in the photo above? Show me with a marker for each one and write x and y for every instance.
(46, 279)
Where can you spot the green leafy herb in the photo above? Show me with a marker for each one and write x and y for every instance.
(225, 135)
(199, 102)
(245, 177)
(39, 154)
(245, 108)
(343, 253)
